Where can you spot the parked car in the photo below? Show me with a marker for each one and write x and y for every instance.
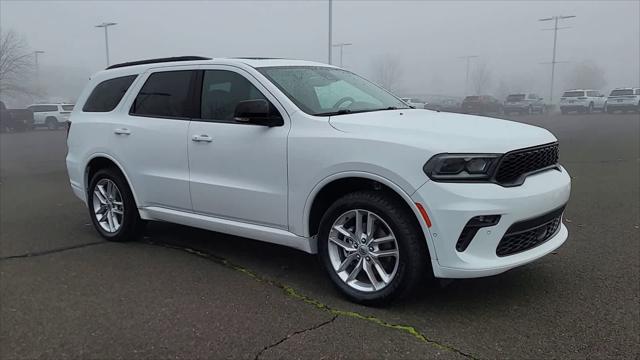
(415, 103)
(316, 158)
(447, 105)
(51, 116)
(15, 119)
(582, 101)
(623, 99)
(524, 103)
(482, 104)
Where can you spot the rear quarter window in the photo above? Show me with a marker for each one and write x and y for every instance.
(107, 95)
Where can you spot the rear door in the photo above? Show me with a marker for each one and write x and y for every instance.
(150, 137)
(238, 171)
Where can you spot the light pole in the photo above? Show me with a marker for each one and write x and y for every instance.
(105, 25)
(36, 53)
(341, 46)
(466, 79)
(555, 41)
(330, 29)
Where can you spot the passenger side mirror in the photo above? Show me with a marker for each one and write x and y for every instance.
(259, 112)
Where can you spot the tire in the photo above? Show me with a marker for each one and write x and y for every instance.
(129, 221)
(52, 123)
(563, 111)
(391, 214)
(590, 108)
(610, 111)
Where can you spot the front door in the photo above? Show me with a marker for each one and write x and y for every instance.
(237, 171)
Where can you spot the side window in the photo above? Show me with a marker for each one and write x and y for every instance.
(532, 97)
(51, 108)
(637, 91)
(107, 95)
(165, 94)
(221, 91)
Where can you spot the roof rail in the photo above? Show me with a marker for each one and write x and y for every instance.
(158, 60)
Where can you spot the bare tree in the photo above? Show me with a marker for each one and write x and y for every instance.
(481, 78)
(16, 64)
(586, 75)
(387, 72)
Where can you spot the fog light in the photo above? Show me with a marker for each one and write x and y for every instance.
(471, 229)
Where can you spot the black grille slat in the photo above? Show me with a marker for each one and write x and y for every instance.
(516, 164)
(539, 231)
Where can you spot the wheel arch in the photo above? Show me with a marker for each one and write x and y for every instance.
(332, 187)
(100, 161)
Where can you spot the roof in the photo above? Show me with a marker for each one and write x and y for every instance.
(200, 60)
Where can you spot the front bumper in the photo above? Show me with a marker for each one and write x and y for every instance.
(515, 107)
(451, 205)
(573, 107)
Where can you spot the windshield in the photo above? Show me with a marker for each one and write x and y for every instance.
(573, 94)
(516, 97)
(621, 92)
(326, 91)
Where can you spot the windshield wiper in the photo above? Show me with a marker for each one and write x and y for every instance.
(339, 112)
(347, 111)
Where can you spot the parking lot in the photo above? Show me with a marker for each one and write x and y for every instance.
(188, 293)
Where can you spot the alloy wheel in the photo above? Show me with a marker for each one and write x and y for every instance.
(108, 207)
(363, 250)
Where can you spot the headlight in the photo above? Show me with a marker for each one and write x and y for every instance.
(461, 167)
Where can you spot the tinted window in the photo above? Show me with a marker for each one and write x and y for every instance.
(222, 91)
(621, 92)
(515, 97)
(106, 95)
(165, 94)
(573, 94)
(43, 108)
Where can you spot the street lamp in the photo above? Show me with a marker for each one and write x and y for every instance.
(105, 25)
(36, 53)
(466, 79)
(341, 46)
(330, 29)
(555, 40)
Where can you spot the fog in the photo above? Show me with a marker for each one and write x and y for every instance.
(425, 40)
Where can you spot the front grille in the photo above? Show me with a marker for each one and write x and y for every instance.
(525, 235)
(515, 165)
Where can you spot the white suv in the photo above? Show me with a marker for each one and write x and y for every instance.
(52, 116)
(314, 157)
(582, 101)
(624, 99)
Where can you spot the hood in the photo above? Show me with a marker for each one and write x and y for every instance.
(442, 132)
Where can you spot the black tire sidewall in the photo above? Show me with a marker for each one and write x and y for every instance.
(411, 245)
(131, 220)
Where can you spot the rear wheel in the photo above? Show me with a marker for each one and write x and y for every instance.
(590, 108)
(112, 207)
(52, 123)
(372, 247)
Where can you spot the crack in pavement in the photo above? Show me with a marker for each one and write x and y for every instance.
(52, 251)
(294, 294)
(289, 336)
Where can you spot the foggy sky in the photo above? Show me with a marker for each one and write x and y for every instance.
(427, 37)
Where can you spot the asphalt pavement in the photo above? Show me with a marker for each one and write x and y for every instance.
(181, 292)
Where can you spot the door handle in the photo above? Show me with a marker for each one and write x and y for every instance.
(201, 138)
(122, 131)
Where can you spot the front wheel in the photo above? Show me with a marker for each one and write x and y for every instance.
(112, 207)
(372, 247)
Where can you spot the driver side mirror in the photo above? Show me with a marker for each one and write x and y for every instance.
(258, 112)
